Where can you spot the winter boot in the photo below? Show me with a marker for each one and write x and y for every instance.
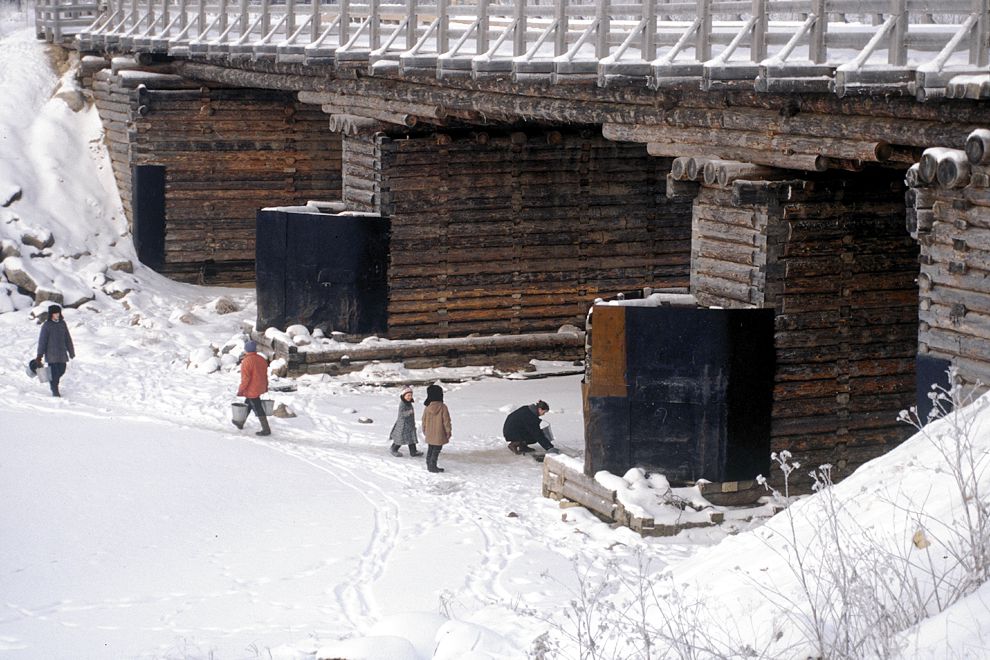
(514, 448)
(265, 430)
(432, 453)
(412, 451)
(394, 450)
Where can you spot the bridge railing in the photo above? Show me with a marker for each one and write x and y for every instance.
(57, 20)
(782, 45)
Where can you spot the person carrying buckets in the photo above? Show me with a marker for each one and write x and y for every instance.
(254, 383)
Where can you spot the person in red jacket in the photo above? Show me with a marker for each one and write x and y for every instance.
(254, 383)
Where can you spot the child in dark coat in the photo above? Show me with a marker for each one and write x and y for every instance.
(404, 430)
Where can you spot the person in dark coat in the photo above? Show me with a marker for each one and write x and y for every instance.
(522, 428)
(254, 383)
(404, 430)
(55, 346)
(436, 426)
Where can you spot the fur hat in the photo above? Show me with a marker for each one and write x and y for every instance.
(405, 390)
(250, 346)
(433, 393)
(54, 309)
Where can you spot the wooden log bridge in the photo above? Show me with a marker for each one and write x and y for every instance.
(530, 158)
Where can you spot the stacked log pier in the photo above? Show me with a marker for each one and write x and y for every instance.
(517, 232)
(226, 152)
(949, 214)
(832, 257)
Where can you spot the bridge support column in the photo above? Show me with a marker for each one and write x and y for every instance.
(514, 232)
(226, 152)
(949, 215)
(832, 257)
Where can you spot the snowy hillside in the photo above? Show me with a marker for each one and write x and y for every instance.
(137, 522)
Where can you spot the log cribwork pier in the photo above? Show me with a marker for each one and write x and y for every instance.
(827, 159)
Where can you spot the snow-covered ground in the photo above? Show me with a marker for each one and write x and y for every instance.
(137, 522)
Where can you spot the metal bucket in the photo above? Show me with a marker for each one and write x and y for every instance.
(239, 412)
(44, 373)
(268, 405)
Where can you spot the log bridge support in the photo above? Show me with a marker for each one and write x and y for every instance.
(514, 204)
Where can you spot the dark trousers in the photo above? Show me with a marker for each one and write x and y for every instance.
(543, 439)
(432, 454)
(256, 407)
(58, 370)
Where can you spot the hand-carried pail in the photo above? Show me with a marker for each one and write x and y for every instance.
(239, 412)
(44, 373)
(268, 405)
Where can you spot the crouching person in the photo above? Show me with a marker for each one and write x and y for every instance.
(522, 428)
(254, 383)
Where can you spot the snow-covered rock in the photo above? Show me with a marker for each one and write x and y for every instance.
(297, 330)
(9, 248)
(46, 282)
(204, 360)
(18, 274)
(279, 367)
(37, 237)
(124, 265)
(11, 299)
(274, 334)
(223, 305)
(183, 316)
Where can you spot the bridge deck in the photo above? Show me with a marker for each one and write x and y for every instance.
(923, 48)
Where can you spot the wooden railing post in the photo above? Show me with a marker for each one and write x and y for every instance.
(242, 19)
(374, 25)
(166, 15)
(443, 40)
(315, 24)
(979, 51)
(758, 49)
(703, 43)
(897, 49)
(560, 38)
(650, 30)
(222, 23)
(56, 23)
(601, 40)
(134, 12)
(183, 14)
(519, 35)
(484, 22)
(816, 44)
(266, 17)
(344, 26)
(290, 16)
(411, 23)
